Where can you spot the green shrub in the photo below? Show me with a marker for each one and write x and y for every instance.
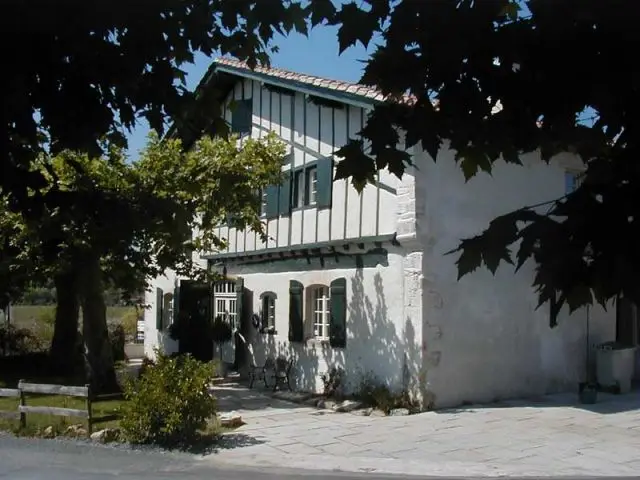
(333, 381)
(376, 394)
(129, 322)
(170, 403)
(20, 341)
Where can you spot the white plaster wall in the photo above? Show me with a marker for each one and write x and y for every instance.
(381, 331)
(152, 337)
(312, 132)
(483, 337)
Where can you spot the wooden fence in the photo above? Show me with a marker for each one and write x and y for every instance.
(23, 408)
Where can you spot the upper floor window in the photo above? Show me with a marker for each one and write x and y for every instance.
(305, 187)
(310, 185)
(241, 116)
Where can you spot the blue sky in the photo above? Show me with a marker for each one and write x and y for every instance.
(316, 54)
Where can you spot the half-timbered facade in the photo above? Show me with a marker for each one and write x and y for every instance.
(360, 281)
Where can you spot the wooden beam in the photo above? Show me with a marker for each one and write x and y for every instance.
(54, 389)
(9, 392)
(62, 412)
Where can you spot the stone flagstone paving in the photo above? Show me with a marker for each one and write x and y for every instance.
(551, 435)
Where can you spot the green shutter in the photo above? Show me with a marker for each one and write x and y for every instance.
(239, 302)
(176, 302)
(296, 325)
(272, 194)
(241, 116)
(325, 182)
(338, 321)
(284, 202)
(159, 302)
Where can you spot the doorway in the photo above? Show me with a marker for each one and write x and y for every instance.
(194, 310)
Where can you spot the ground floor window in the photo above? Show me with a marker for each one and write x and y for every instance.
(268, 311)
(320, 311)
(225, 302)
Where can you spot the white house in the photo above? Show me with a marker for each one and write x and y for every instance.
(361, 281)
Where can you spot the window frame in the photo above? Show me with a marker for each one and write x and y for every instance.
(242, 103)
(304, 183)
(225, 293)
(167, 310)
(268, 308)
(318, 316)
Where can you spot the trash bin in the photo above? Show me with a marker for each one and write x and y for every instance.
(615, 365)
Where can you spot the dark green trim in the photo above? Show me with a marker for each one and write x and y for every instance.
(279, 90)
(317, 155)
(328, 93)
(296, 311)
(259, 86)
(361, 193)
(338, 313)
(304, 170)
(323, 102)
(159, 309)
(333, 148)
(279, 115)
(346, 180)
(378, 240)
(312, 260)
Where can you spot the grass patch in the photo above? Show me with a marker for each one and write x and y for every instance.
(26, 316)
(106, 413)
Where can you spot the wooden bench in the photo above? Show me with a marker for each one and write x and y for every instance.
(44, 389)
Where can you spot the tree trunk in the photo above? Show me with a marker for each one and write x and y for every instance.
(64, 346)
(98, 354)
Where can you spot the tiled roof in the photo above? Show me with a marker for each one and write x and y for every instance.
(336, 85)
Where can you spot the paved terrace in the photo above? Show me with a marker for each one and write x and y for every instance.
(552, 435)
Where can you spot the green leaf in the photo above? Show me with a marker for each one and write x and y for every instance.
(320, 11)
(357, 26)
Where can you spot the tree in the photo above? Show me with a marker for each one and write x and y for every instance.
(76, 72)
(498, 78)
(127, 222)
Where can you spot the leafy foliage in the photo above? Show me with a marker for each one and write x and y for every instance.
(333, 382)
(97, 68)
(130, 221)
(371, 391)
(170, 403)
(18, 341)
(526, 76)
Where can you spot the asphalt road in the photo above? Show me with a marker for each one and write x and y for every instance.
(35, 459)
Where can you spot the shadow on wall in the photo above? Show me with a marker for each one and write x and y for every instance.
(165, 344)
(379, 349)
